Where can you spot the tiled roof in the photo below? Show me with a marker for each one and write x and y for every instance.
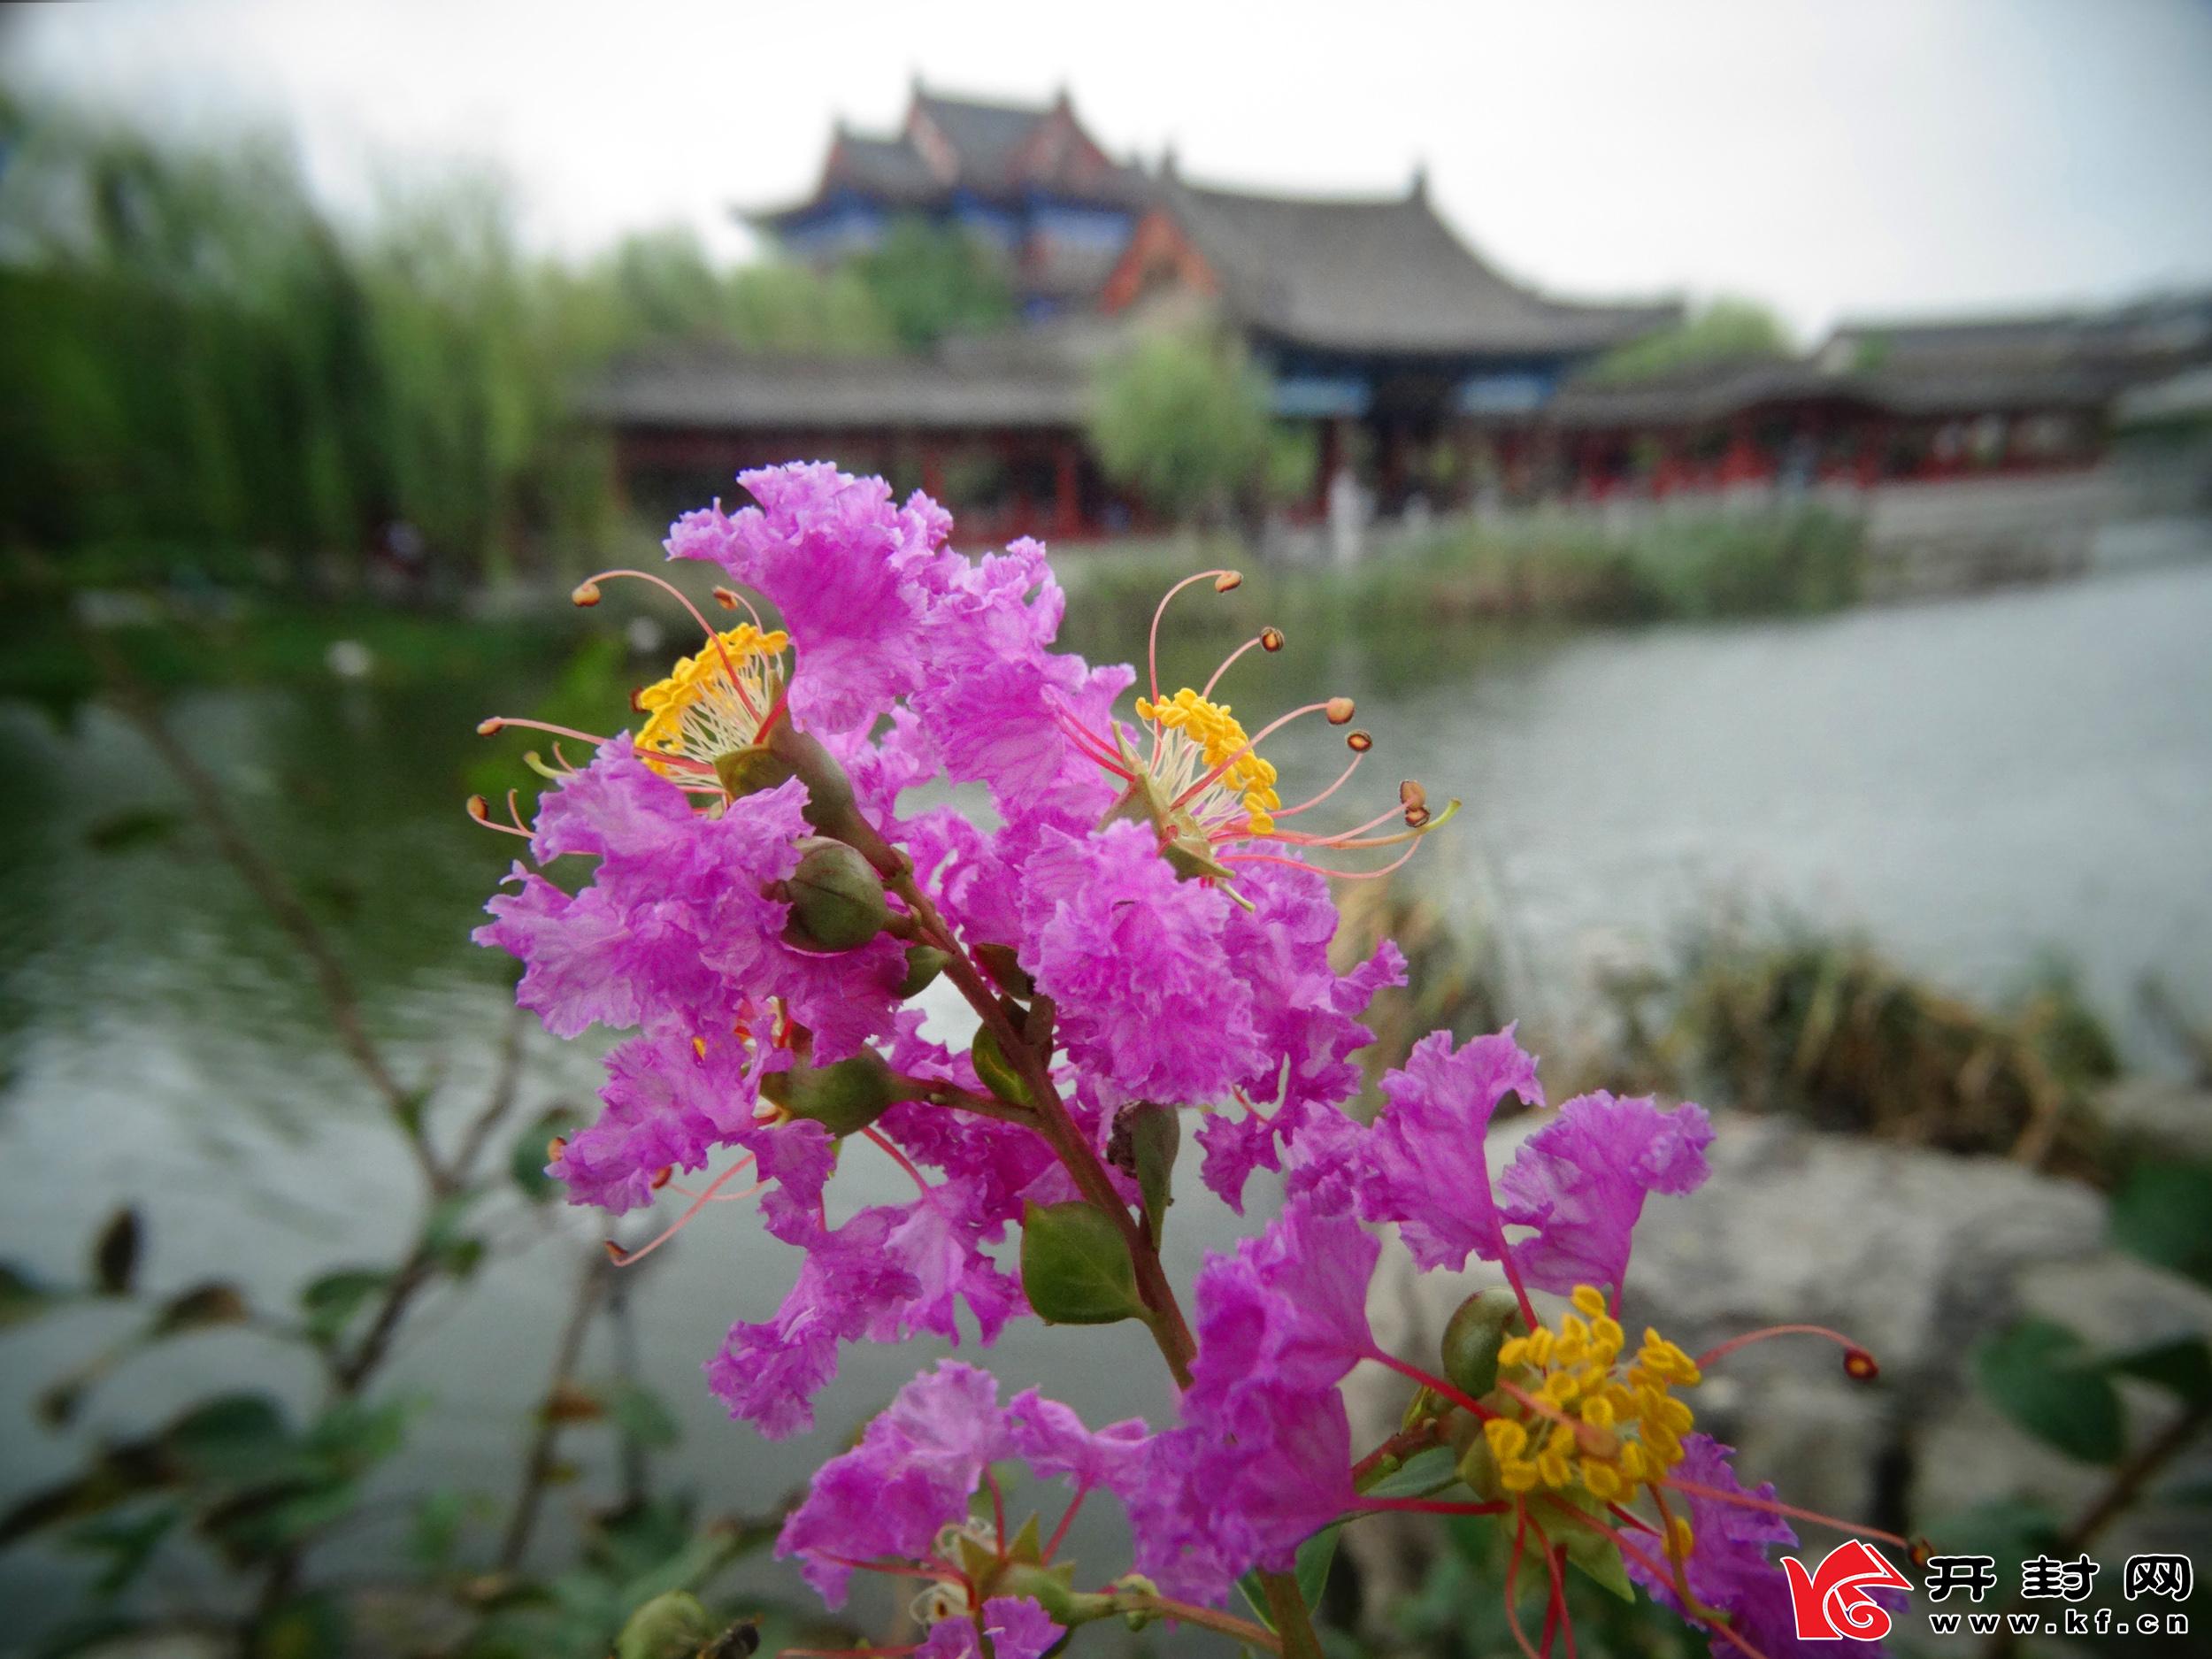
(1380, 275)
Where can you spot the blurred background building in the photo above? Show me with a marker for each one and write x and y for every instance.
(1393, 353)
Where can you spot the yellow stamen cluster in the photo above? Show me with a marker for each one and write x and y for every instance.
(698, 711)
(1216, 735)
(1611, 1430)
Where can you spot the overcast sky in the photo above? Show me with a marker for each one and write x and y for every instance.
(1871, 157)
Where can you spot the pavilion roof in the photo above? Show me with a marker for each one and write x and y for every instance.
(1379, 274)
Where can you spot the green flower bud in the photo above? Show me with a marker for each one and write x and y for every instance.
(1474, 1337)
(844, 1098)
(1478, 1466)
(836, 899)
(1053, 1588)
(749, 771)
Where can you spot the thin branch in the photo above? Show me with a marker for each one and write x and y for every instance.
(538, 1471)
(506, 1087)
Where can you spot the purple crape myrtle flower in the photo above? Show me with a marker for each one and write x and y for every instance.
(1052, 1441)
(1425, 1166)
(1018, 1629)
(1262, 1458)
(844, 568)
(1133, 956)
(1241, 1489)
(997, 695)
(669, 1104)
(892, 1271)
(1580, 1181)
(1305, 1016)
(917, 1463)
(676, 928)
(900, 1501)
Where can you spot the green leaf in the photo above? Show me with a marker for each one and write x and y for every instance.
(1075, 1265)
(674, 1625)
(331, 1301)
(132, 828)
(531, 1153)
(115, 1253)
(353, 1435)
(1427, 1472)
(21, 1296)
(1310, 1568)
(844, 1098)
(435, 1535)
(261, 1521)
(443, 1224)
(2182, 1367)
(231, 1437)
(2162, 1212)
(1597, 1556)
(641, 1415)
(1155, 1136)
(128, 1541)
(2038, 1374)
(199, 1308)
(997, 1072)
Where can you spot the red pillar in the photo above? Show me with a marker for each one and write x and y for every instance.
(1067, 499)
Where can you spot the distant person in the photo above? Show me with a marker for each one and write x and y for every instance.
(1348, 516)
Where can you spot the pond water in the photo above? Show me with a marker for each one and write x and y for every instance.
(1973, 783)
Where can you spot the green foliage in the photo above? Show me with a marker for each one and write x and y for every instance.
(1725, 331)
(2162, 1212)
(928, 281)
(2040, 1376)
(203, 372)
(1181, 418)
(1147, 1138)
(1076, 1268)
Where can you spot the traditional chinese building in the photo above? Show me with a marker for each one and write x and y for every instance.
(1373, 319)
(1028, 180)
(1876, 402)
(1417, 364)
(1377, 326)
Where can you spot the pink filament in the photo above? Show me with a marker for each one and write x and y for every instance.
(705, 626)
(697, 1204)
(1482, 1412)
(1744, 1501)
(1256, 640)
(1152, 647)
(1749, 1337)
(899, 1158)
(1342, 777)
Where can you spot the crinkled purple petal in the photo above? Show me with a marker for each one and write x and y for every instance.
(1582, 1179)
(1425, 1166)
